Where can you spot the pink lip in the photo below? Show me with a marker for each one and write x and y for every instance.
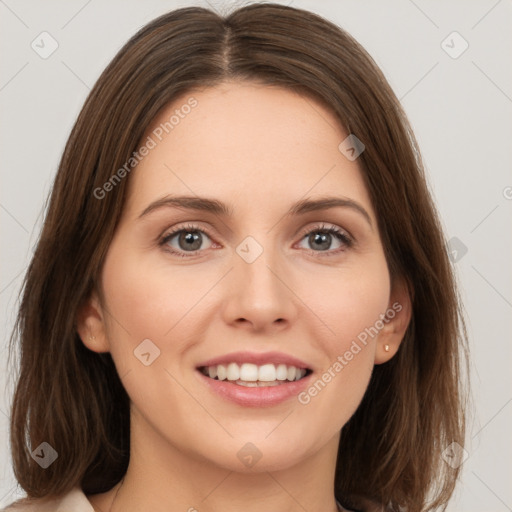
(256, 358)
(257, 396)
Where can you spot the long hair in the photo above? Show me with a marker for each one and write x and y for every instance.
(391, 449)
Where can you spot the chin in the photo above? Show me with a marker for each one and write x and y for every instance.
(257, 455)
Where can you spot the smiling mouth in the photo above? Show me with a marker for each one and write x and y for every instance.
(252, 375)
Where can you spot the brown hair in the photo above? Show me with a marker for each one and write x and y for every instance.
(390, 450)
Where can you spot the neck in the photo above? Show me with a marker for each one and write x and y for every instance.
(161, 477)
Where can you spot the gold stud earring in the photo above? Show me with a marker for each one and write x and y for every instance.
(92, 337)
(386, 348)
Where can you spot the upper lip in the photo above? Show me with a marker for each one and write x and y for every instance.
(257, 358)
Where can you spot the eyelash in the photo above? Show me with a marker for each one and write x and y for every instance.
(341, 235)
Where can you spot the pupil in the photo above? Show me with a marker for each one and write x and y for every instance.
(192, 240)
(323, 240)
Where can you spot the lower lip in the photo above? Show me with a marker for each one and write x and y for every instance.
(264, 396)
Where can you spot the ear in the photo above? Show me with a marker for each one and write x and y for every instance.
(395, 322)
(90, 324)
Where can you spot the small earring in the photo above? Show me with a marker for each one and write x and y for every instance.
(92, 337)
(386, 348)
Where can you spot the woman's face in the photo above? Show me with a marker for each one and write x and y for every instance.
(248, 249)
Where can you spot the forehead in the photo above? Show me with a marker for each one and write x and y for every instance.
(246, 143)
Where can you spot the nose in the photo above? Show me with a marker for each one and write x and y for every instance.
(258, 296)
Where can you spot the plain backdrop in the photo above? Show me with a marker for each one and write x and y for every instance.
(455, 88)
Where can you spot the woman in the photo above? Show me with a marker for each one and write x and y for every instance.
(240, 298)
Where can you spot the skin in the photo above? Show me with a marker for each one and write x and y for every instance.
(258, 149)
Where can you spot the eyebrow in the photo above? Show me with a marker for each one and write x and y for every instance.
(218, 208)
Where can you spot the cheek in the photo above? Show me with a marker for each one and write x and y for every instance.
(350, 302)
(145, 299)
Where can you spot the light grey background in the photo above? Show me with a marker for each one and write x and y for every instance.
(460, 109)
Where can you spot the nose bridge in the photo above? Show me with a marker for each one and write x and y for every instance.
(258, 293)
(259, 277)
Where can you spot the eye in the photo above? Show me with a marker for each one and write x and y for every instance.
(321, 239)
(191, 239)
(185, 239)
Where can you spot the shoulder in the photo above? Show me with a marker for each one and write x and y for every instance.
(73, 501)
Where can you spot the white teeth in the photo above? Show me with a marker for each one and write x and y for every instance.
(247, 384)
(267, 373)
(251, 375)
(281, 372)
(233, 373)
(248, 372)
(256, 384)
(221, 372)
